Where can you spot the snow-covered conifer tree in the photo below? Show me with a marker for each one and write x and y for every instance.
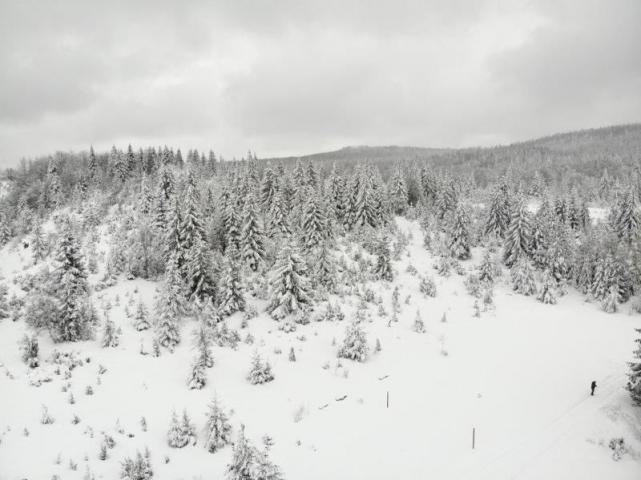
(197, 378)
(355, 343)
(141, 318)
(398, 192)
(110, 334)
(549, 290)
(260, 372)
(383, 267)
(634, 376)
(290, 289)
(231, 291)
(217, 428)
(252, 239)
(523, 278)
(459, 234)
(519, 235)
(315, 227)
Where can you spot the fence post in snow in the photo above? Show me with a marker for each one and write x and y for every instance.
(388, 399)
(473, 437)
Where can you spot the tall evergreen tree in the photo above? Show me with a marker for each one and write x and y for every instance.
(634, 376)
(290, 289)
(231, 291)
(459, 234)
(519, 235)
(252, 239)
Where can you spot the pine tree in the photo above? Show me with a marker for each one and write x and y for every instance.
(197, 378)
(260, 372)
(278, 219)
(498, 216)
(119, 163)
(383, 267)
(138, 469)
(141, 319)
(459, 234)
(523, 278)
(314, 227)
(242, 462)
(488, 270)
(110, 335)
(92, 166)
(191, 228)
(217, 428)
(252, 239)
(549, 292)
(38, 243)
(519, 235)
(355, 344)
(398, 192)
(174, 240)
(76, 315)
(290, 289)
(634, 376)
(325, 272)
(628, 218)
(202, 343)
(180, 432)
(200, 271)
(231, 291)
(29, 348)
(5, 229)
(168, 308)
(610, 303)
(268, 188)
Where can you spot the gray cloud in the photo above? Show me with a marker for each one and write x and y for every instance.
(297, 76)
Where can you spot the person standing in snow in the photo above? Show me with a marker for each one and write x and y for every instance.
(592, 387)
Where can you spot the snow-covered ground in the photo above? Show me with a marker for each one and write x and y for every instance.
(519, 375)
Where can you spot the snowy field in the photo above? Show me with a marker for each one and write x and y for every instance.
(519, 375)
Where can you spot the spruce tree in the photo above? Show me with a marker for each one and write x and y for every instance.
(459, 234)
(398, 192)
(549, 291)
(38, 243)
(383, 268)
(523, 278)
(498, 216)
(278, 218)
(231, 291)
(290, 289)
(260, 372)
(355, 343)
(76, 315)
(314, 224)
(518, 238)
(252, 239)
(199, 270)
(217, 428)
(634, 376)
(141, 318)
(325, 270)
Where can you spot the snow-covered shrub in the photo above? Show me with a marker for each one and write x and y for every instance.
(355, 344)
(292, 355)
(444, 266)
(303, 316)
(136, 469)
(29, 349)
(250, 463)
(419, 325)
(617, 445)
(223, 336)
(427, 286)
(610, 304)
(4, 306)
(46, 418)
(635, 304)
(473, 285)
(260, 372)
(287, 326)
(549, 292)
(180, 432)
(411, 269)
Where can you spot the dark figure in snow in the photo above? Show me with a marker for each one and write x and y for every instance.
(592, 387)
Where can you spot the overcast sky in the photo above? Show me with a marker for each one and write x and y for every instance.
(294, 76)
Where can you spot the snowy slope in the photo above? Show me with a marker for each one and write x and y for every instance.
(519, 375)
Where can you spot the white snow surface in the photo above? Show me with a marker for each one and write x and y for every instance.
(519, 375)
